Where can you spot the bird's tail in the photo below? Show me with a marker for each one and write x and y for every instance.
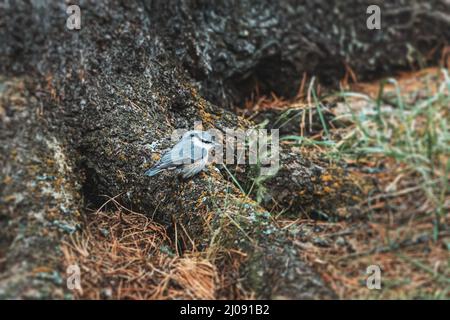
(153, 171)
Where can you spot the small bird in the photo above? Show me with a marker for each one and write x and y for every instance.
(189, 156)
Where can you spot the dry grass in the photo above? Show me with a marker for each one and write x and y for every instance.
(125, 255)
(398, 139)
(413, 264)
(405, 224)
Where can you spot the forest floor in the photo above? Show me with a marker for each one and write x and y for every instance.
(393, 133)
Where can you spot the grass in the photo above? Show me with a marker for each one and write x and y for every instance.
(255, 186)
(415, 134)
(411, 131)
(125, 255)
(396, 133)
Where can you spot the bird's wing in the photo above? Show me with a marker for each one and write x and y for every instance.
(193, 168)
(183, 153)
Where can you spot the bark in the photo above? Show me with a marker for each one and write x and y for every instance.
(40, 196)
(229, 47)
(113, 92)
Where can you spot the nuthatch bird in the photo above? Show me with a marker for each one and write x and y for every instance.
(189, 156)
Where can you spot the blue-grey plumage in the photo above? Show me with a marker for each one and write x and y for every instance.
(153, 171)
(189, 156)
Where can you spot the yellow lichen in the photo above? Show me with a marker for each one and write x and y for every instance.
(155, 156)
(326, 178)
(7, 180)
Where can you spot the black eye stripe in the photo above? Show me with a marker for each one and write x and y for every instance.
(202, 138)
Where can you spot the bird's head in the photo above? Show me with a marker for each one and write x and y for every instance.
(207, 139)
